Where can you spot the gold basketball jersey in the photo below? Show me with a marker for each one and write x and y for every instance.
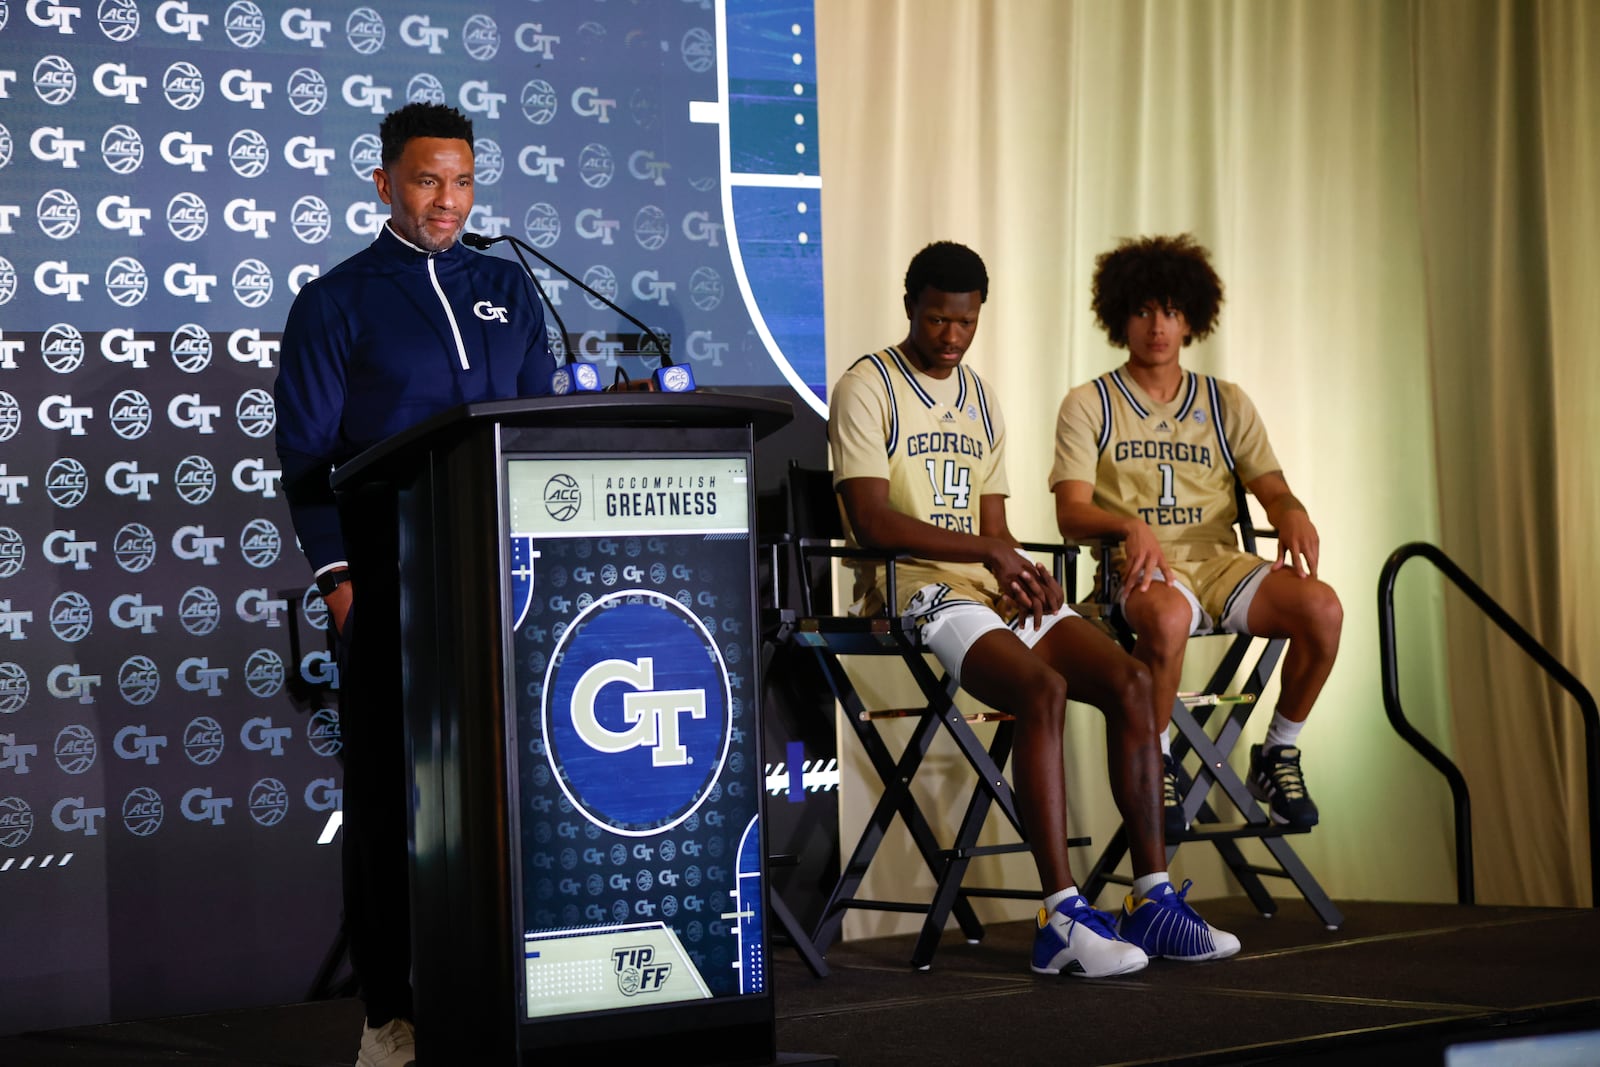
(938, 443)
(1172, 464)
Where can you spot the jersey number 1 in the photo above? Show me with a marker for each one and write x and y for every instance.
(956, 484)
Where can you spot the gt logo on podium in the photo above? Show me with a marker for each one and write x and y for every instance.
(637, 712)
(654, 713)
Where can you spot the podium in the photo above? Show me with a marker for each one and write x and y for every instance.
(578, 650)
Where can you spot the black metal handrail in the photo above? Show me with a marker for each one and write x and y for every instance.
(1542, 656)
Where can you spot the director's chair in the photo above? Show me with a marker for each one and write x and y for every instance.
(816, 538)
(1210, 723)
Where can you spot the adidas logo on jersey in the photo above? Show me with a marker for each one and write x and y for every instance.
(1163, 426)
(947, 417)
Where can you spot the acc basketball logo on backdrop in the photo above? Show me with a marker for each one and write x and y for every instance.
(636, 712)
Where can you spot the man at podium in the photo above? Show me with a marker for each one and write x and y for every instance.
(413, 324)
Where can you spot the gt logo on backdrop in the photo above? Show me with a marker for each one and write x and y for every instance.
(636, 712)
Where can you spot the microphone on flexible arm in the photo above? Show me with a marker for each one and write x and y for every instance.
(576, 375)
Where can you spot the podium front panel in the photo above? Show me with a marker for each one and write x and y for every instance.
(634, 735)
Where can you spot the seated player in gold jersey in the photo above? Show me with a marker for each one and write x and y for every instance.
(1149, 452)
(918, 447)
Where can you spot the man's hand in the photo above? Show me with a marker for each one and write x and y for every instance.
(1026, 583)
(1298, 543)
(338, 603)
(1142, 559)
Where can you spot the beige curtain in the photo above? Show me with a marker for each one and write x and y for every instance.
(1402, 201)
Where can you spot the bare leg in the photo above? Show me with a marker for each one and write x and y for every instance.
(1308, 613)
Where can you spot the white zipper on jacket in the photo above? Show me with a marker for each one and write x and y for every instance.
(455, 331)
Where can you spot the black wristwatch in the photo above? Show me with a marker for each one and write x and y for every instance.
(328, 581)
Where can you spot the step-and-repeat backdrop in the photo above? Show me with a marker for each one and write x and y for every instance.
(171, 173)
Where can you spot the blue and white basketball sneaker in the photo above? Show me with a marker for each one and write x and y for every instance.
(1076, 939)
(1163, 924)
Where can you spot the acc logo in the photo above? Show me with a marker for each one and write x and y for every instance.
(10, 423)
(424, 89)
(71, 617)
(263, 673)
(539, 101)
(191, 348)
(130, 414)
(365, 155)
(126, 281)
(134, 547)
(543, 225)
(8, 282)
(322, 732)
(187, 217)
(255, 412)
(183, 85)
(705, 288)
(650, 227)
(203, 740)
(603, 280)
(595, 166)
(698, 49)
(364, 30)
(562, 497)
(269, 802)
(195, 479)
(138, 680)
(75, 749)
(66, 482)
(13, 551)
(308, 90)
(62, 348)
(488, 161)
(14, 688)
(260, 543)
(252, 283)
(122, 149)
(244, 24)
(636, 713)
(54, 80)
(248, 154)
(481, 37)
(119, 20)
(16, 821)
(142, 811)
(311, 219)
(58, 214)
(200, 611)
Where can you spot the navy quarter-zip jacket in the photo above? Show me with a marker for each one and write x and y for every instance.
(384, 340)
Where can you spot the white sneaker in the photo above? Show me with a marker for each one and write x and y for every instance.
(1076, 939)
(390, 1045)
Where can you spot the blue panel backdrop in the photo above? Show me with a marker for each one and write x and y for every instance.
(171, 172)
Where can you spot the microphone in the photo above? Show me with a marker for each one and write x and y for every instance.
(576, 375)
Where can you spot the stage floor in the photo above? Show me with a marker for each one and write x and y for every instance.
(1398, 983)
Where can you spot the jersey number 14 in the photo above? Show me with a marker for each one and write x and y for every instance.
(957, 486)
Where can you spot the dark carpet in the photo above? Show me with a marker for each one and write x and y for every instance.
(1399, 983)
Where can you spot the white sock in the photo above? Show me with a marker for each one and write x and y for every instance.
(1166, 741)
(1054, 899)
(1142, 885)
(1281, 732)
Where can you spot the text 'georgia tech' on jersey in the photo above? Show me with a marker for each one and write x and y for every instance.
(939, 443)
(1171, 465)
